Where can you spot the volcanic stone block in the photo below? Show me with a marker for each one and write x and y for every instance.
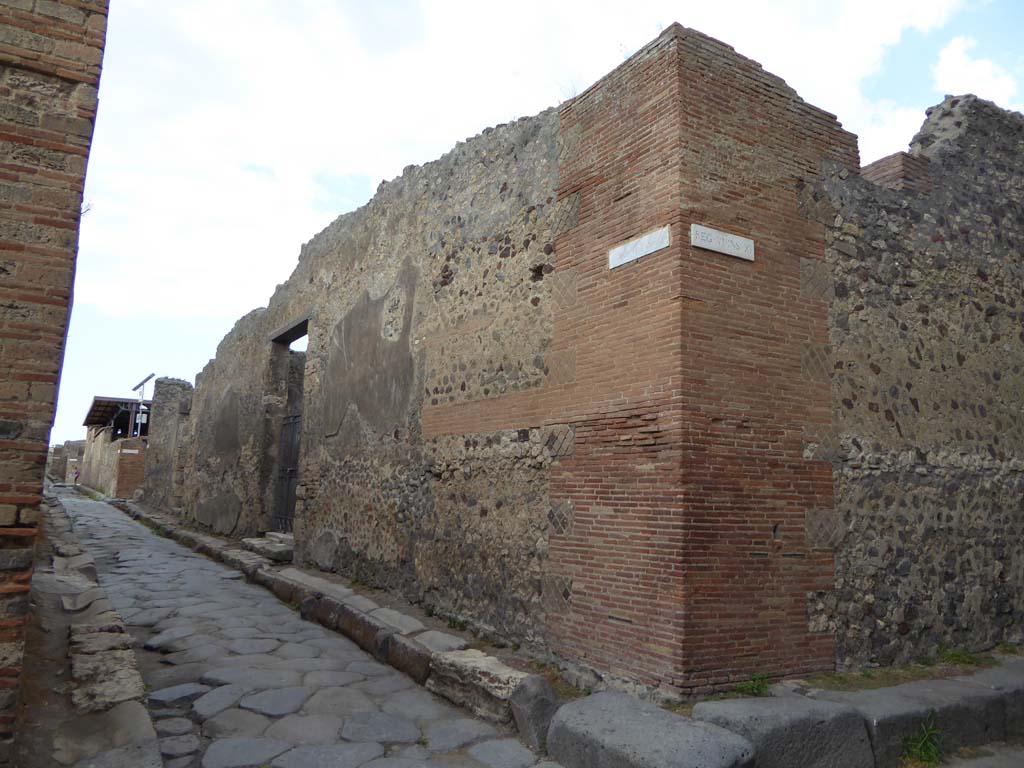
(613, 730)
(477, 681)
(793, 730)
(533, 704)
(965, 714)
(405, 654)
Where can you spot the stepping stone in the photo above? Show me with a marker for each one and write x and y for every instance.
(257, 678)
(503, 753)
(320, 679)
(339, 701)
(446, 735)
(235, 723)
(219, 699)
(336, 756)
(173, 726)
(247, 646)
(378, 726)
(277, 702)
(306, 729)
(241, 753)
(179, 746)
(177, 693)
(168, 636)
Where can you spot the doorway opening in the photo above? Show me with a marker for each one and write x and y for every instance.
(290, 352)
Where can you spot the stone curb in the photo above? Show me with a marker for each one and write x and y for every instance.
(481, 683)
(108, 689)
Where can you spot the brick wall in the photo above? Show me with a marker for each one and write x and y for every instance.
(131, 466)
(700, 387)
(900, 171)
(50, 54)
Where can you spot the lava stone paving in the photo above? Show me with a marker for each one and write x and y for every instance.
(236, 678)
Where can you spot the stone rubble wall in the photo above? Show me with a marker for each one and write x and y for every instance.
(434, 292)
(169, 409)
(927, 335)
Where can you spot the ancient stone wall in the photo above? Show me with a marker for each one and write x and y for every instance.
(683, 470)
(168, 429)
(50, 54)
(435, 291)
(927, 335)
(56, 463)
(74, 453)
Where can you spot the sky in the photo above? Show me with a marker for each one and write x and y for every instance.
(230, 132)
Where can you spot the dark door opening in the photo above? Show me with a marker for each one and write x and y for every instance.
(288, 474)
(290, 369)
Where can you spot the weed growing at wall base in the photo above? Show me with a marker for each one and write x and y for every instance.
(755, 686)
(922, 748)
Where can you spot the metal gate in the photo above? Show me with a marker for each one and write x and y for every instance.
(287, 474)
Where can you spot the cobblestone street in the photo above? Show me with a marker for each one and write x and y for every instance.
(236, 678)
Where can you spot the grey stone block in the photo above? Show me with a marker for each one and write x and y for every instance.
(794, 731)
(236, 753)
(178, 693)
(401, 623)
(613, 730)
(380, 727)
(441, 642)
(256, 678)
(1008, 681)
(533, 704)
(369, 633)
(502, 753)
(965, 714)
(407, 655)
(475, 680)
(335, 756)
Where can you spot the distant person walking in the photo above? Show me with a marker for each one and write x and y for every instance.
(77, 473)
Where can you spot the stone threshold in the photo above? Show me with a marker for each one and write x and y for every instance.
(438, 661)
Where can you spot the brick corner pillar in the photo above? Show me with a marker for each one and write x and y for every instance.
(684, 550)
(49, 74)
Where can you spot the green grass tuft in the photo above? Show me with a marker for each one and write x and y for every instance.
(755, 686)
(922, 748)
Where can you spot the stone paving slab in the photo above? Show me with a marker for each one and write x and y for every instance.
(239, 679)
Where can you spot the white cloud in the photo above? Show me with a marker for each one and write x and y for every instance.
(956, 72)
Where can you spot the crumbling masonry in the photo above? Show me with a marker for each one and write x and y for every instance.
(679, 471)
